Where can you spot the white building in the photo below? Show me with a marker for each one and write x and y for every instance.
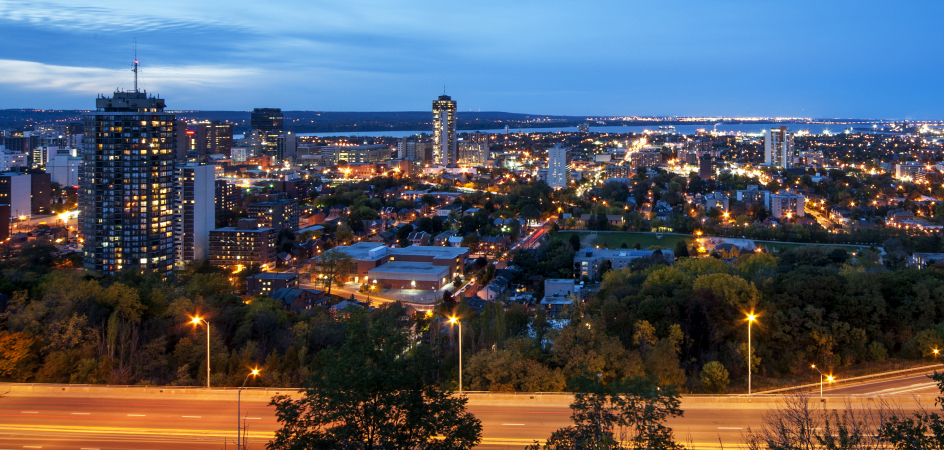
(195, 211)
(444, 131)
(558, 158)
(241, 154)
(10, 159)
(907, 170)
(64, 167)
(787, 204)
(16, 191)
(778, 147)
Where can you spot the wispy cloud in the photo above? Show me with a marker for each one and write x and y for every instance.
(92, 18)
(93, 80)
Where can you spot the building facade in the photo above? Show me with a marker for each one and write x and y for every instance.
(444, 131)
(16, 190)
(266, 126)
(195, 211)
(558, 166)
(243, 245)
(778, 147)
(126, 185)
(277, 214)
(787, 204)
(473, 150)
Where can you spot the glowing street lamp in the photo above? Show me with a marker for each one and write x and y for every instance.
(196, 321)
(239, 392)
(750, 319)
(455, 320)
(821, 375)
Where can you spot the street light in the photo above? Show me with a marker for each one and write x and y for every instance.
(821, 375)
(456, 321)
(750, 319)
(239, 392)
(196, 321)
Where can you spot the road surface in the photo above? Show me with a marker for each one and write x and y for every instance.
(86, 421)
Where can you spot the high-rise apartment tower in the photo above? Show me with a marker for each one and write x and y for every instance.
(126, 185)
(444, 131)
(778, 147)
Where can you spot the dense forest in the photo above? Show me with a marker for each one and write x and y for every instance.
(682, 324)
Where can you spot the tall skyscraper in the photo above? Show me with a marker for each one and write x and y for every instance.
(126, 185)
(558, 159)
(195, 205)
(267, 125)
(778, 147)
(210, 138)
(444, 131)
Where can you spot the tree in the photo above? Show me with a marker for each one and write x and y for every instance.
(377, 391)
(530, 213)
(16, 355)
(332, 267)
(626, 414)
(574, 241)
(924, 430)
(714, 377)
(681, 250)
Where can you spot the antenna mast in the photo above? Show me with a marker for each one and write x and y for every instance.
(135, 70)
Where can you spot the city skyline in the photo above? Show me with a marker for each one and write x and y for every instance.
(731, 58)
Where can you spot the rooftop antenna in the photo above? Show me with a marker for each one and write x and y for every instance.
(135, 70)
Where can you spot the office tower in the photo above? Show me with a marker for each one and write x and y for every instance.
(195, 192)
(473, 149)
(16, 191)
(41, 155)
(778, 147)
(245, 244)
(286, 146)
(210, 137)
(558, 159)
(444, 131)
(40, 193)
(64, 167)
(266, 125)
(241, 154)
(126, 185)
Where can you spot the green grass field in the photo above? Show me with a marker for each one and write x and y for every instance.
(615, 240)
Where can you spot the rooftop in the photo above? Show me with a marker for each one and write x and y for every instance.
(275, 276)
(406, 267)
(367, 251)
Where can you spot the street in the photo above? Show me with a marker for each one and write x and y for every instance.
(199, 419)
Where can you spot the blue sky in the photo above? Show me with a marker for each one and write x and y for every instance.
(621, 57)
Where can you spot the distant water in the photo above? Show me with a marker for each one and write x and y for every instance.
(754, 128)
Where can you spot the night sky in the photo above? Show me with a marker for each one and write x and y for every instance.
(864, 59)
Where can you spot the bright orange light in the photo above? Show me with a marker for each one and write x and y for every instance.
(751, 317)
(195, 320)
(453, 320)
(255, 372)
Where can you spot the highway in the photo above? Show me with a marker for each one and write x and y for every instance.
(78, 423)
(197, 419)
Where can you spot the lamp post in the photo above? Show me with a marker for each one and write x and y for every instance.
(196, 321)
(821, 375)
(750, 320)
(935, 352)
(456, 321)
(239, 393)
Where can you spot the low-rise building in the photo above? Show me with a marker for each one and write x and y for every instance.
(787, 204)
(921, 260)
(588, 261)
(300, 299)
(410, 275)
(370, 255)
(243, 245)
(266, 283)
(419, 238)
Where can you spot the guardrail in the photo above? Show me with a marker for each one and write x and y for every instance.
(874, 376)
